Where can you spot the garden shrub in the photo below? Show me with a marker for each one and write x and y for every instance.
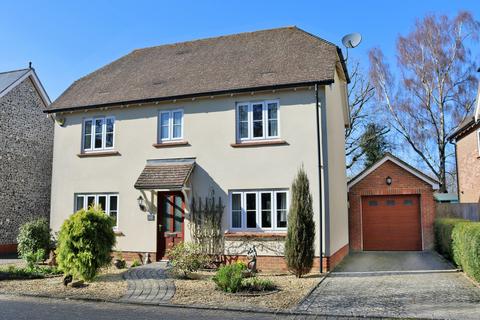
(187, 257)
(229, 278)
(299, 249)
(256, 284)
(466, 248)
(443, 229)
(34, 241)
(135, 263)
(85, 243)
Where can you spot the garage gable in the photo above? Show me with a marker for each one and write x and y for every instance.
(389, 160)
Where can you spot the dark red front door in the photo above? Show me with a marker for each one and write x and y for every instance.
(171, 212)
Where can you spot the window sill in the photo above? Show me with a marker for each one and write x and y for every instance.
(118, 233)
(257, 235)
(259, 143)
(98, 154)
(170, 144)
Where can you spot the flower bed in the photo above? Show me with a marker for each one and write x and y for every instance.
(203, 291)
(109, 285)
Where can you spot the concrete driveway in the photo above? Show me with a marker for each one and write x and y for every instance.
(396, 284)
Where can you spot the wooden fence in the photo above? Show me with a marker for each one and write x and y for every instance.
(468, 211)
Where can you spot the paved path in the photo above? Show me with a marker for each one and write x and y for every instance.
(149, 284)
(25, 308)
(396, 284)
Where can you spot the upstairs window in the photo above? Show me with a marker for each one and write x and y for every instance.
(98, 133)
(170, 125)
(257, 120)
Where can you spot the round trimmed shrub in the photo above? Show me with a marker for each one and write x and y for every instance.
(229, 278)
(34, 240)
(85, 243)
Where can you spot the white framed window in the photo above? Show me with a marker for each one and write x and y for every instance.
(98, 134)
(258, 210)
(258, 120)
(107, 201)
(170, 125)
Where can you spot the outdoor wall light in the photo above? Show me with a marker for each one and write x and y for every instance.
(388, 180)
(141, 203)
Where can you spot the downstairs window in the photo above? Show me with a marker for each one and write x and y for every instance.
(107, 201)
(258, 210)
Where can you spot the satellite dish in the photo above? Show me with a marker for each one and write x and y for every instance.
(352, 40)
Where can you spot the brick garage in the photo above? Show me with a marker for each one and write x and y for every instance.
(395, 216)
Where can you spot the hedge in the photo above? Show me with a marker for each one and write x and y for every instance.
(459, 241)
(443, 236)
(466, 248)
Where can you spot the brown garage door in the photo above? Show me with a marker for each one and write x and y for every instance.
(391, 223)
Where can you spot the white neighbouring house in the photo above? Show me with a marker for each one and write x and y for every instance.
(236, 115)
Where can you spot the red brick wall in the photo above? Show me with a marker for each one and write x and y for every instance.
(8, 248)
(403, 183)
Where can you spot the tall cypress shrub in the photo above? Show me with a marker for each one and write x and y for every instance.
(299, 250)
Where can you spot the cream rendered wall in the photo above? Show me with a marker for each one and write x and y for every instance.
(209, 127)
(336, 101)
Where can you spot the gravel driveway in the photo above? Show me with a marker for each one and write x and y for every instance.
(396, 284)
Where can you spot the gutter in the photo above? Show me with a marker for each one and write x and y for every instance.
(319, 155)
(191, 95)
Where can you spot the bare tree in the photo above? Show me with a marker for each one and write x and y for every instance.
(360, 92)
(436, 86)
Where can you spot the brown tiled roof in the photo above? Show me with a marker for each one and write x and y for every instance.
(165, 174)
(262, 59)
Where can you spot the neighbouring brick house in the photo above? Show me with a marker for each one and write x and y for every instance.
(467, 151)
(391, 207)
(26, 146)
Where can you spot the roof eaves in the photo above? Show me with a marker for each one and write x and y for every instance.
(192, 95)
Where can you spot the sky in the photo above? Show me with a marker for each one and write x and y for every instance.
(66, 40)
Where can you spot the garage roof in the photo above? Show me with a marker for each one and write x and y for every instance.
(389, 157)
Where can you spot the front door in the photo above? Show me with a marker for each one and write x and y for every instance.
(171, 212)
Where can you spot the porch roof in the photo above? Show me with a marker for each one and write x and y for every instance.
(165, 174)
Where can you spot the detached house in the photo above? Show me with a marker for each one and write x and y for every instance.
(26, 142)
(236, 115)
(467, 152)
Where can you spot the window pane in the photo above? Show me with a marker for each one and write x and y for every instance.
(98, 133)
(243, 113)
(244, 129)
(166, 214)
(281, 209)
(178, 214)
(88, 127)
(102, 202)
(109, 140)
(164, 118)
(177, 131)
(113, 203)
(236, 210)
(272, 128)
(251, 210)
(272, 111)
(79, 203)
(110, 123)
(90, 201)
(177, 118)
(164, 134)
(257, 120)
(87, 138)
(266, 202)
